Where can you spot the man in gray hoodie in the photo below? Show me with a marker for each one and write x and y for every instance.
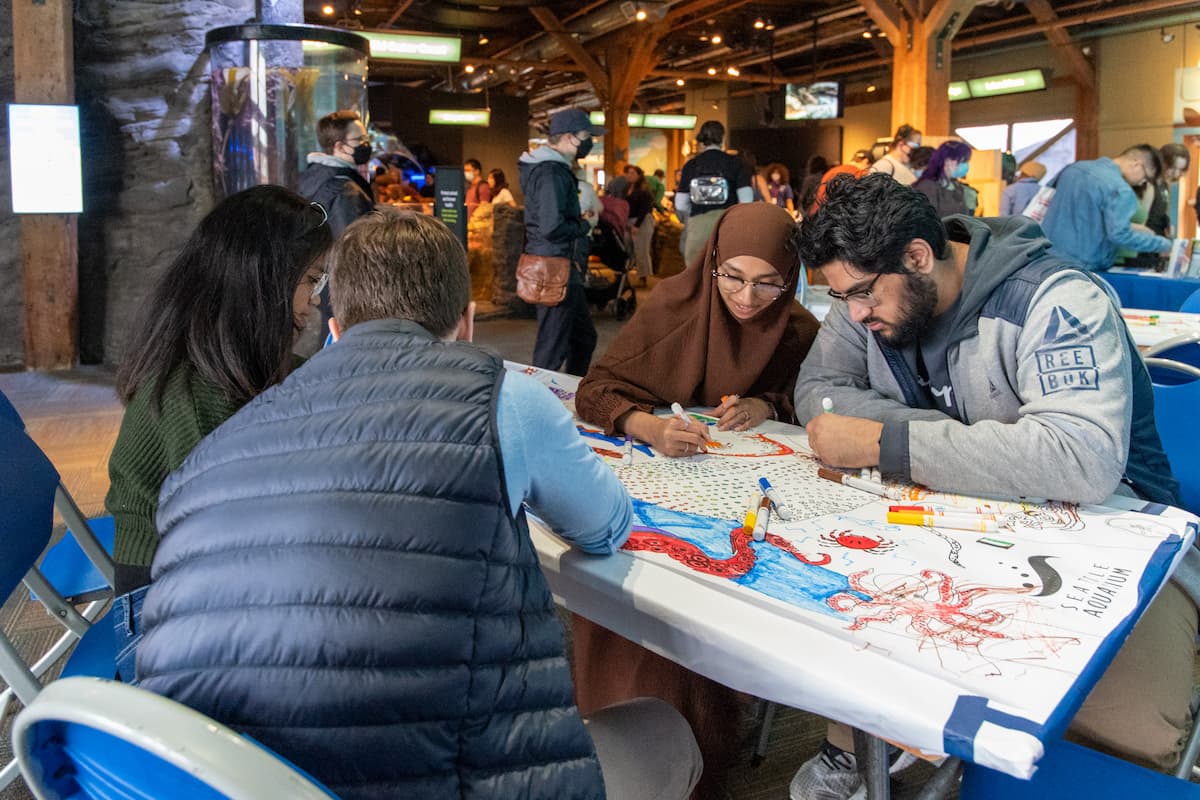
(968, 358)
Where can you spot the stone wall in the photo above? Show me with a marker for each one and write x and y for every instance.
(11, 299)
(143, 88)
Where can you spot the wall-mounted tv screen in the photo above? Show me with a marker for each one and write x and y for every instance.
(818, 100)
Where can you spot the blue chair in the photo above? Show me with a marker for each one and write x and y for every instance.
(1184, 353)
(1175, 408)
(91, 738)
(1191, 305)
(30, 490)
(1069, 770)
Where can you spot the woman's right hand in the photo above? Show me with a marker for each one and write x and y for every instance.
(671, 436)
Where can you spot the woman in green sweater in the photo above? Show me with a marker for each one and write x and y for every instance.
(218, 331)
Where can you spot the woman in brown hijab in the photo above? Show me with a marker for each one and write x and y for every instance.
(727, 334)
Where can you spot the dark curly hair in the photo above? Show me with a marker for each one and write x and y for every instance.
(867, 222)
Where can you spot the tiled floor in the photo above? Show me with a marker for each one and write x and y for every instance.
(75, 416)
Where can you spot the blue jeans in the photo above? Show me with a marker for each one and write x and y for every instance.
(127, 621)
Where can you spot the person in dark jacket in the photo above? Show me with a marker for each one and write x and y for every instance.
(346, 572)
(554, 226)
(941, 182)
(332, 178)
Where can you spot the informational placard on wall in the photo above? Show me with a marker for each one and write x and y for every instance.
(47, 176)
(450, 200)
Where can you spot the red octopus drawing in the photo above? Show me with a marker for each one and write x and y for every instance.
(858, 541)
(691, 556)
(946, 618)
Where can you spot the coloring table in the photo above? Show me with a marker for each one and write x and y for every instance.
(969, 644)
(1149, 289)
(1151, 327)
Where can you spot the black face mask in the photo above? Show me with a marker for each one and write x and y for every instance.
(584, 148)
(362, 153)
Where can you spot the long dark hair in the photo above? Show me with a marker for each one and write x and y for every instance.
(497, 175)
(224, 306)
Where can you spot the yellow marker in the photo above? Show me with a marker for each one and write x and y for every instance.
(751, 514)
(962, 522)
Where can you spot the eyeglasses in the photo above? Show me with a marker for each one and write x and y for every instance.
(863, 295)
(732, 284)
(324, 213)
(320, 285)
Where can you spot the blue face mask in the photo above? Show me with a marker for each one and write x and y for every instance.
(961, 170)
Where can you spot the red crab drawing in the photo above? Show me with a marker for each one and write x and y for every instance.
(857, 541)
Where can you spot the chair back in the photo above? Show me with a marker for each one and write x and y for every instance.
(91, 738)
(1175, 407)
(30, 491)
(1191, 304)
(1069, 770)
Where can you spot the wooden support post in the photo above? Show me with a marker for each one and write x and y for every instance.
(630, 55)
(44, 72)
(921, 48)
(1083, 73)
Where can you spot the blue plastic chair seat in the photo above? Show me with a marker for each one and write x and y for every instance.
(70, 571)
(1069, 770)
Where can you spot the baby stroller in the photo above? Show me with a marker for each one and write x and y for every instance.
(607, 277)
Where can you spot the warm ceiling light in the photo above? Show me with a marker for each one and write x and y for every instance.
(716, 38)
(759, 24)
(1167, 37)
(357, 11)
(483, 38)
(712, 70)
(871, 87)
(640, 16)
(866, 34)
(704, 37)
(733, 71)
(327, 10)
(469, 68)
(680, 81)
(770, 25)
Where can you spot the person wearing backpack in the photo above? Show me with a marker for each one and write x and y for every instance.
(710, 182)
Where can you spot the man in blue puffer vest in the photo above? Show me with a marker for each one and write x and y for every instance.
(346, 572)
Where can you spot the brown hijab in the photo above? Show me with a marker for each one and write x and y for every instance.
(683, 344)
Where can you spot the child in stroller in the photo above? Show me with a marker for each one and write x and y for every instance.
(607, 276)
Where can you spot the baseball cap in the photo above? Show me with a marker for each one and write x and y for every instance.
(573, 120)
(1034, 169)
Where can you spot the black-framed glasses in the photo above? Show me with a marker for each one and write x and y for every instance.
(863, 295)
(732, 284)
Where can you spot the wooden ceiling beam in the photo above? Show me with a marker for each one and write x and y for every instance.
(595, 73)
(884, 14)
(399, 10)
(1081, 69)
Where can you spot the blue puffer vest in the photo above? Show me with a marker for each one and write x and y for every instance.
(340, 578)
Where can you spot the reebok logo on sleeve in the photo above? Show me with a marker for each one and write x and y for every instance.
(1063, 364)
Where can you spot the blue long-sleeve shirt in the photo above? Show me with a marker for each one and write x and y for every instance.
(1089, 216)
(550, 468)
(1017, 195)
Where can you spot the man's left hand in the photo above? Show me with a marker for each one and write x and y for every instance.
(845, 441)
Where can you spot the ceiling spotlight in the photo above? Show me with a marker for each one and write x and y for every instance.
(716, 106)
(483, 38)
(1167, 38)
(680, 81)
(881, 35)
(871, 87)
(733, 72)
(712, 70)
(716, 38)
(770, 26)
(866, 34)
(640, 16)
(357, 11)
(1086, 49)
(469, 68)
(327, 9)
(759, 24)
(704, 37)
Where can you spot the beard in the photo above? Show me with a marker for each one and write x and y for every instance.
(916, 312)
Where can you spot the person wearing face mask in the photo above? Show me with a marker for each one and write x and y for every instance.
(779, 187)
(333, 180)
(1094, 202)
(942, 182)
(478, 191)
(554, 226)
(895, 162)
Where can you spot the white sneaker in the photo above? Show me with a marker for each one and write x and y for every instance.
(832, 774)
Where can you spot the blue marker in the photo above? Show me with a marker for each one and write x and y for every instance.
(627, 458)
(769, 491)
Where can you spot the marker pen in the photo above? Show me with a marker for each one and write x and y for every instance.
(677, 410)
(627, 458)
(947, 511)
(827, 405)
(770, 491)
(763, 518)
(962, 522)
(751, 514)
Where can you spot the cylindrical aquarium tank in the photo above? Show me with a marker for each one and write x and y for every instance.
(270, 85)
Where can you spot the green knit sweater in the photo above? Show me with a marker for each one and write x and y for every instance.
(151, 445)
